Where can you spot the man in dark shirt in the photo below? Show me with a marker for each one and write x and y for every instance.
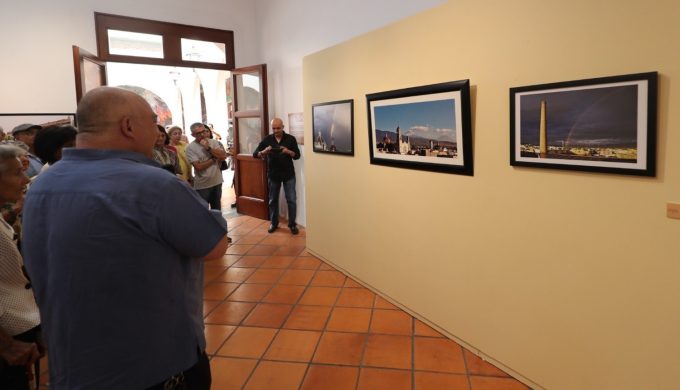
(280, 149)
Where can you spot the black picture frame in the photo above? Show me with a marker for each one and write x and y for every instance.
(11, 120)
(436, 124)
(333, 127)
(605, 124)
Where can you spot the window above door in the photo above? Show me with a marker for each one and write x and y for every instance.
(133, 40)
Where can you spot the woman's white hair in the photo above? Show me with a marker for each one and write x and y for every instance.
(8, 152)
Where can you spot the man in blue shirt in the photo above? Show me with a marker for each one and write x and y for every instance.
(114, 246)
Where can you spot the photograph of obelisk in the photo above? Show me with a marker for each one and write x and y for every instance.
(595, 124)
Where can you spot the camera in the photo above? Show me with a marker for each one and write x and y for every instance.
(276, 149)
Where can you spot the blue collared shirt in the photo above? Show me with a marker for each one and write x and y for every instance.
(34, 165)
(110, 243)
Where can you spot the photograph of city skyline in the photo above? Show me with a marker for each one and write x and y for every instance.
(425, 128)
(587, 124)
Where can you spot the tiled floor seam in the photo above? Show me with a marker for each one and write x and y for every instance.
(413, 353)
(309, 365)
(260, 359)
(325, 325)
(292, 308)
(365, 346)
(467, 370)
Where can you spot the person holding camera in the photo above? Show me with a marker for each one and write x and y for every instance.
(280, 149)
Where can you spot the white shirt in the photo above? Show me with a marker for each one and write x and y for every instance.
(210, 176)
(18, 311)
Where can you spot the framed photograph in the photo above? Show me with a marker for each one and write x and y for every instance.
(426, 128)
(296, 126)
(10, 121)
(601, 125)
(333, 127)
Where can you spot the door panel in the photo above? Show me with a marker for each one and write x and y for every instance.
(90, 71)
(252, 185)
(250, 130)
(251, 125)
(249, 90)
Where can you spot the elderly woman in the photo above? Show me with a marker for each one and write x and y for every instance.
(11, 210)
(164, 154)
(20, 344)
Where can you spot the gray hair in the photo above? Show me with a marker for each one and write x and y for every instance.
(196, 126)
(8, 152)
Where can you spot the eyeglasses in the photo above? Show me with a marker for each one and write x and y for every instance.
(277, 128)
(200, 132)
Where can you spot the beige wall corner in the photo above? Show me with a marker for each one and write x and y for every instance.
(569, 279)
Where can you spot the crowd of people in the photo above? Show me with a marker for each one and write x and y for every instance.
(94, 268)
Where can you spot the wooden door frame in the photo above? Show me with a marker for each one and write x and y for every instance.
(248, 205)
(83, 82)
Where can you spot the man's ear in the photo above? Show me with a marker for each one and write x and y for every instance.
(126, 127)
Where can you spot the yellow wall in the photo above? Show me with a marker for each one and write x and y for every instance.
(570, 279)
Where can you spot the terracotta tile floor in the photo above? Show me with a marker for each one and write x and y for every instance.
(278, 318)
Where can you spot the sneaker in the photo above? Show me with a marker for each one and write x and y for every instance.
(294, 230)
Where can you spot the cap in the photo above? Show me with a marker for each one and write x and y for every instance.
(25, 127)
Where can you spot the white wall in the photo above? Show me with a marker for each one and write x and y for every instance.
(36, 67)
(291, 29)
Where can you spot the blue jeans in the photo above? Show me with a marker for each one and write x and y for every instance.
(212, 195)
(291, 199)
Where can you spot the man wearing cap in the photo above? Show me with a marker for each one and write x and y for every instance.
(26, 133)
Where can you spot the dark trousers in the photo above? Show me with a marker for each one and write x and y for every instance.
(195, 378)
(291, 199)
(16, 377)
(212, 195)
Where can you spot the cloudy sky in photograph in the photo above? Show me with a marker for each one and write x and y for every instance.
(598, 117)
(433, 120)
(334, 120)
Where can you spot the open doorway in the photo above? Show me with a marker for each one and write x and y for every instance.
(180, 86)
(181, 96)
